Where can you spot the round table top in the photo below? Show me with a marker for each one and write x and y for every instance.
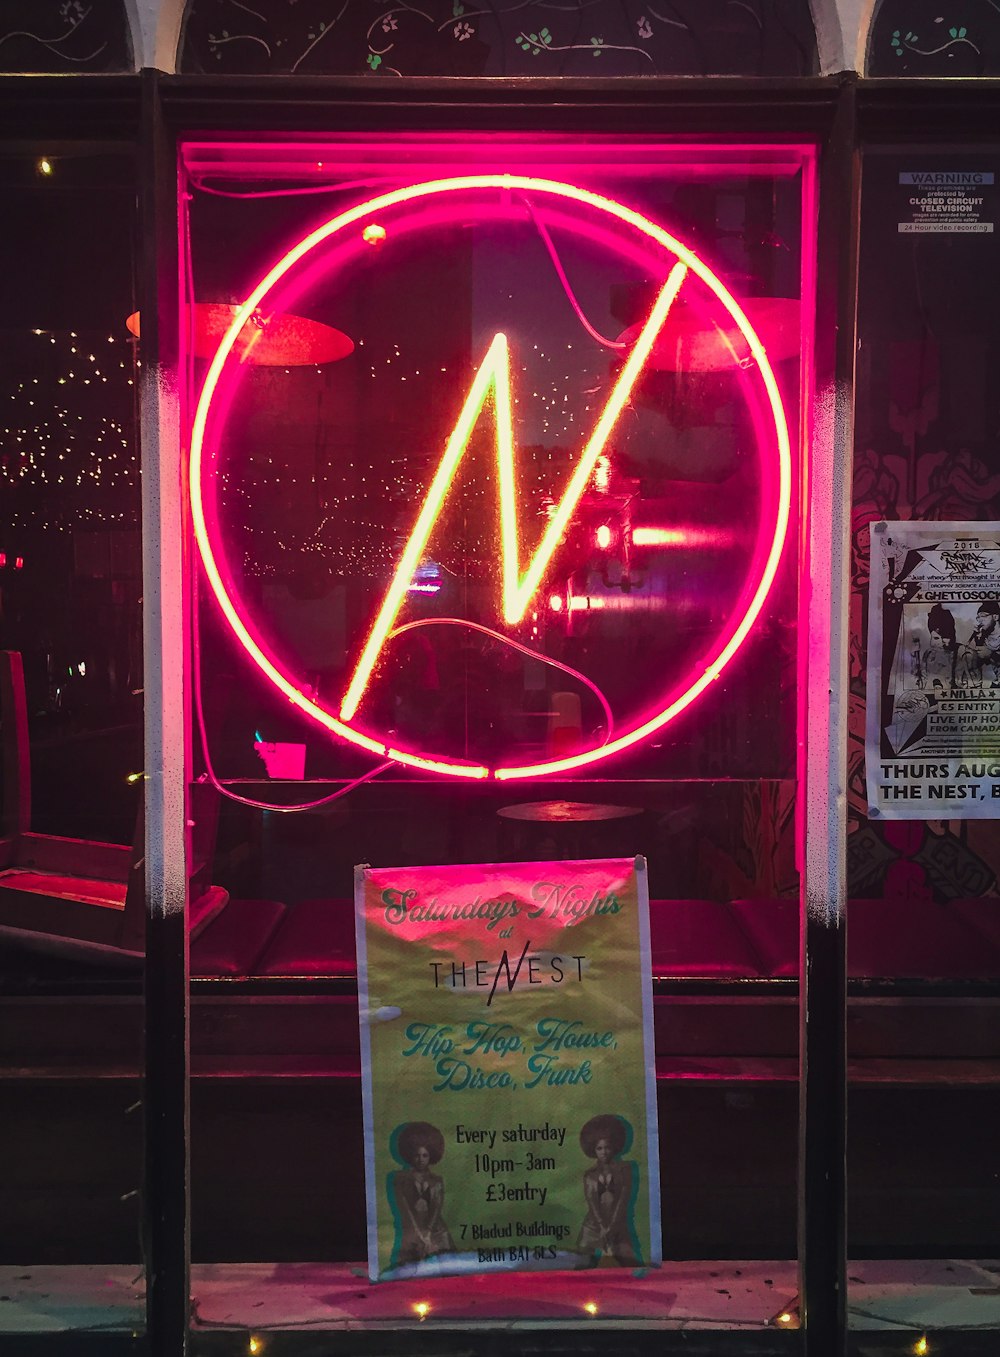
(566, 812)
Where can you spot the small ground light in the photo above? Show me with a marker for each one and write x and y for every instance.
(421, 1309)
(920, 1347)
(254, 1345)
(44, 166)
(784, 1317)
(373, 233)
(591, 1307)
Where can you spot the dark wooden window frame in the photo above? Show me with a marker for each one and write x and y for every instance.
(839, 113)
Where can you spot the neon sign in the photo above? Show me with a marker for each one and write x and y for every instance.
(492, 384)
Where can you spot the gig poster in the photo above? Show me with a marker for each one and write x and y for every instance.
(508, 1069)
(933, 723)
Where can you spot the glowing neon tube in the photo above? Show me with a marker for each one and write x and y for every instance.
(493, 377)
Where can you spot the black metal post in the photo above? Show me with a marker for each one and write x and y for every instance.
(822, 1042)
(167, 1056)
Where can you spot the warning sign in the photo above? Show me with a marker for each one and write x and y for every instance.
(947, 200)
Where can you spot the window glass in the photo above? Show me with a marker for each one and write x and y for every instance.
(71, 897)
(495, 562)
(923, 850)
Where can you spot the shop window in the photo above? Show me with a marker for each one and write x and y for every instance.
(70, 563)
(927, 416)
(65, 36)
(689, 37)
(923, 848)
(447, 615)
(72, 906)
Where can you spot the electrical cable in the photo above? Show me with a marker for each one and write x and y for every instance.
(567, 287)
(515, 645)
(347, 185)
(311, 189)
(210, 773)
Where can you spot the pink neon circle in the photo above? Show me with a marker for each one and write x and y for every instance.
(766, 564)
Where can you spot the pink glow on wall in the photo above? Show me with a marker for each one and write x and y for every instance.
(492, 381)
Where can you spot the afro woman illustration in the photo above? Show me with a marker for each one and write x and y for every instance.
(418, 1194)
(609, 1190)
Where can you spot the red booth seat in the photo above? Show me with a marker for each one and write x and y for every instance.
(771, 927)
(315, 939)
(918, 939)
(234, 942)
(981, 914)
(700, 939)
(696, 938)
(886, 938)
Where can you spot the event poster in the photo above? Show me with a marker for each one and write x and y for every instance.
(508, 1069)
(933, 720)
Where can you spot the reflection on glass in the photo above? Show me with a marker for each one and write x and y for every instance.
(448, 422)
(528, 507)
(72, 910)
(923, 940)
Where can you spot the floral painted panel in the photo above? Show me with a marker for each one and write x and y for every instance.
(39, 36)
(935, 37)
(500, 37)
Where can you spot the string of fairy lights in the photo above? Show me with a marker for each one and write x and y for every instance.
(349, 508)
(551, 403)
(68, 453)
(69, 459)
